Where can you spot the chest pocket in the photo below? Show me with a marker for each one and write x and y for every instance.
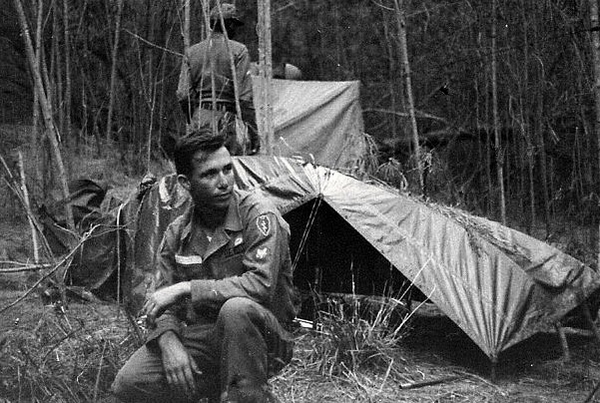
(190, 266)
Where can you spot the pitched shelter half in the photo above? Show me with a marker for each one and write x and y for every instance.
(499, 285)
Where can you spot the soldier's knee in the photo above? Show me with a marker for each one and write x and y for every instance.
(237, 310)
(123, 384)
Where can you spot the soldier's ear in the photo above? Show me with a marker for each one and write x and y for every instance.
(184, 181)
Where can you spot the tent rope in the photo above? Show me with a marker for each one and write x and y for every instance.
(307, 228)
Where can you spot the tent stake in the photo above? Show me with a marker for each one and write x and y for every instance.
(563, 341)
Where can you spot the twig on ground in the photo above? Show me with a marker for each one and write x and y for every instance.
(96, 385)
(13, 185)
(59, 342)
(414, 385)
(387, 374)
(50, 272)
(30, 267)
(592, 393)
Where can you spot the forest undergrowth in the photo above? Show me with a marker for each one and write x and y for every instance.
(53, 352)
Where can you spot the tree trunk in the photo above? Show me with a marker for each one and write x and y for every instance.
(25, 191)
(186, 25)
(401, 20)
(392, 68)
(497, 142)
(596, 57)
(38, 138)
(539, 132)
(57, 73)
(113, 72)
(265, 107)
(67, 97)
(151, 91)
(46, 111)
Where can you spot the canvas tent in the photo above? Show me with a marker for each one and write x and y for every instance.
(322, 119)
(499, 285)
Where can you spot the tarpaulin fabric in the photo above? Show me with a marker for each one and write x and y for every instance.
(317, 119)
(499, 285)
(103, 216)
(160, 205)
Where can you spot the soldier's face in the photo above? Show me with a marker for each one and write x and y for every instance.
(211, 182)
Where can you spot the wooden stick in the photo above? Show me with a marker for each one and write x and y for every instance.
(51, 131)
(563, 342)
(63, 261)
(578, 332)
(113, 72)
(493, 370)
(414, 385)
(97, 384)
(34, 267)
(13, 185)
(265, 115)
(400, 10)
(592, 393)
(34, 238)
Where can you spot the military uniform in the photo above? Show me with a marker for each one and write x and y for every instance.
(242, 303)
(207, 81)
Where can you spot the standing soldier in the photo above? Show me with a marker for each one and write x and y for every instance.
(214, 72)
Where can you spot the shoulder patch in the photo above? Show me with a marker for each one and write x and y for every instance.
(263, 223)
(262, 253)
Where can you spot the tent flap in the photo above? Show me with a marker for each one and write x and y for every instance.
(499, 285)
(317, 120)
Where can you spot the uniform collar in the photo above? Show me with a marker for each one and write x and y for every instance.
(232, 223)
(233, 220)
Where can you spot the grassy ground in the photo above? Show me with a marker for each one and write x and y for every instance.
(50, 354)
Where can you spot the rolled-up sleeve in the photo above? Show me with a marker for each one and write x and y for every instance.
(264, 239)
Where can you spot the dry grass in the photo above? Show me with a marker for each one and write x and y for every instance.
(436, 362)
(58, 354)
(51, 355)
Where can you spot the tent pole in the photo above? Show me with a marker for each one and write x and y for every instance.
(563, 341)
(493, 365)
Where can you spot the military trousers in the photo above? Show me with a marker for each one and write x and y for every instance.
(235, 355)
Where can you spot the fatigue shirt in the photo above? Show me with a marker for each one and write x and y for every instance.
(247, 256)
(210, 59)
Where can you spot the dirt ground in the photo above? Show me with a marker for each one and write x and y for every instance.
(57, 354)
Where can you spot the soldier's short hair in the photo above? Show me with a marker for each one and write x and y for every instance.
(203, 139)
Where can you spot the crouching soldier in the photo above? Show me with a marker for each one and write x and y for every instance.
(224, 297)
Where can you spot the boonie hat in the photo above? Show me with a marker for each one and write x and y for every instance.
(229, 12)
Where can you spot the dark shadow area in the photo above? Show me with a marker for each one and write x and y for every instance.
(335, 258)
(439, 340)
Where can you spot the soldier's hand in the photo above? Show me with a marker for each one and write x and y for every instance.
(162, 299)
(179, 365)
